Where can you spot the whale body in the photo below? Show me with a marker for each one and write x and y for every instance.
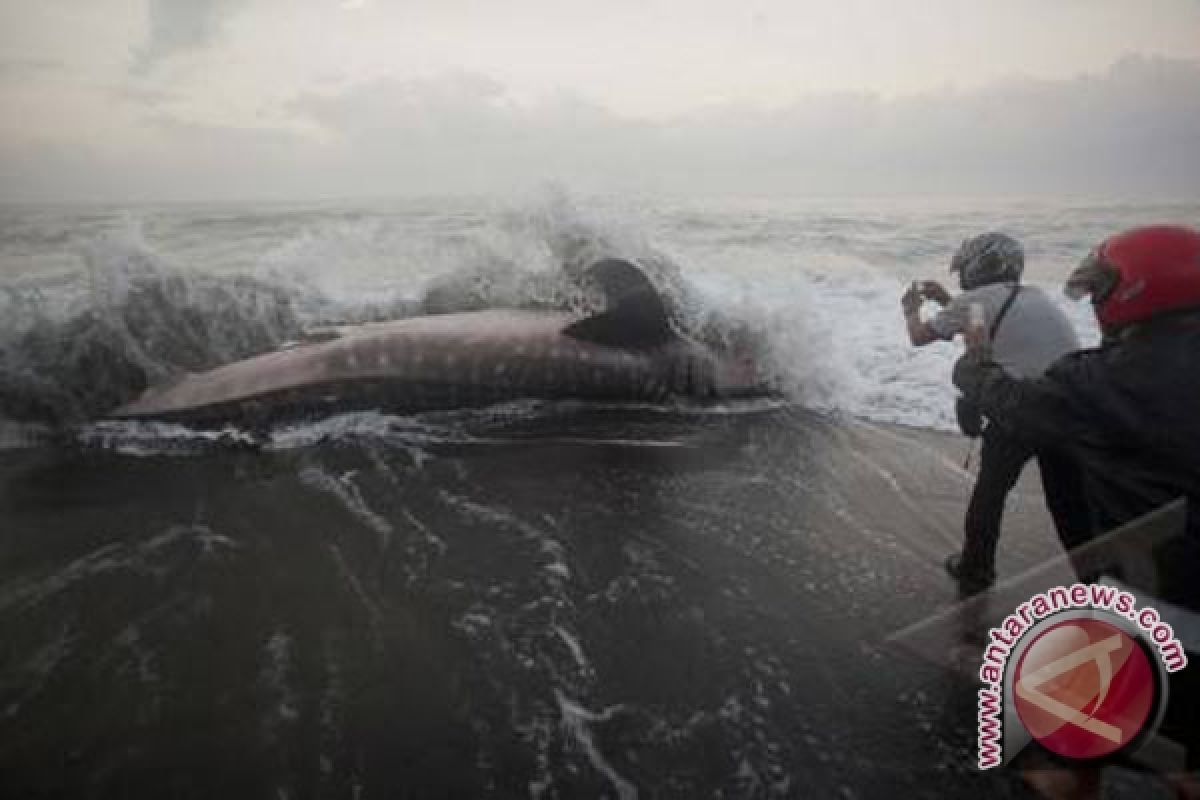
(629, 353)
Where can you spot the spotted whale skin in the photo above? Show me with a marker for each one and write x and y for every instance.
(630, 353)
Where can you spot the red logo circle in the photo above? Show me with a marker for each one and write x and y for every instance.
(1084, 688)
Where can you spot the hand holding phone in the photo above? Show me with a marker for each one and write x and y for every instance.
(935, 292)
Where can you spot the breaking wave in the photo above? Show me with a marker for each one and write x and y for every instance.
(76, 347)
(134, 299)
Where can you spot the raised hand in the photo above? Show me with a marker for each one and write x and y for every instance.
(911, 300)
(935, 292)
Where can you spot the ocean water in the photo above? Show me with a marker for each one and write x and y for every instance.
(531, 600)
(818, 279)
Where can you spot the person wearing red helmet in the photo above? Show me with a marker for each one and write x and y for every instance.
(1128, 411)
(1140, 274)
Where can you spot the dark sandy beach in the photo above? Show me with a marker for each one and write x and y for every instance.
(583, 604)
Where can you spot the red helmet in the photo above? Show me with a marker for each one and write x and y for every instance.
(1139, 274)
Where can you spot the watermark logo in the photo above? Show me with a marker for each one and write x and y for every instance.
(1075, 670)
(1084, 688)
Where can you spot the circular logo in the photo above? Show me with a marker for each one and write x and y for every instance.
(1084, 688)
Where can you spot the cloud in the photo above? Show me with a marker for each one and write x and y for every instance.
(143, 96)
(1130, 131)
(22, 68)
(1134, 129)
(462, 132)
(455, 101)
(177, 26)
(186, 162)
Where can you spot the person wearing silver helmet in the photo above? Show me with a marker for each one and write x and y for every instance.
(1028, 333)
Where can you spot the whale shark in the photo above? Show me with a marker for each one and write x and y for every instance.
(629, 352)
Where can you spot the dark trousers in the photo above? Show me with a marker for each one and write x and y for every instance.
(1001, 461)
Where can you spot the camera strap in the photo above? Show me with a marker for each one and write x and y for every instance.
(1012, 295)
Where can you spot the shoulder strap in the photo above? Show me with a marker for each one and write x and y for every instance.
(1012, 295)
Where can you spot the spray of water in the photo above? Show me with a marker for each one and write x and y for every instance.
(812, 296)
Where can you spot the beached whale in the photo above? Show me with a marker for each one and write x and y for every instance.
(630, 352)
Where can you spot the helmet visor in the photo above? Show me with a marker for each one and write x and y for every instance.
(1094, 276)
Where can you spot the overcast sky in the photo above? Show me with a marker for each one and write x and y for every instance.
(296, 99)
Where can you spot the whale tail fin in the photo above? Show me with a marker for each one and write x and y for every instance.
(636, 316)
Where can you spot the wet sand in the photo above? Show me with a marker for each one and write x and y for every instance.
(598, 604)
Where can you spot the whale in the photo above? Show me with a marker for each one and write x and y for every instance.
(631, 351)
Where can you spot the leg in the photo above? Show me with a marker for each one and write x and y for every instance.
(1062, 485)
(1000, 465)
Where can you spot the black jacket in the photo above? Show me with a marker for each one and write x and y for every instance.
(1129, 412)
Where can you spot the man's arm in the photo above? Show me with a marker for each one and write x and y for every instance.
(1041, 411)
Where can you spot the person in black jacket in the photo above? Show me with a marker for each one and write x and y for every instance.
(1128, 411)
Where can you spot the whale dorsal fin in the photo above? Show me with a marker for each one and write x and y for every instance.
(636, 316)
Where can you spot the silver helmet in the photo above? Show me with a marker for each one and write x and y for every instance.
(988, 258)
